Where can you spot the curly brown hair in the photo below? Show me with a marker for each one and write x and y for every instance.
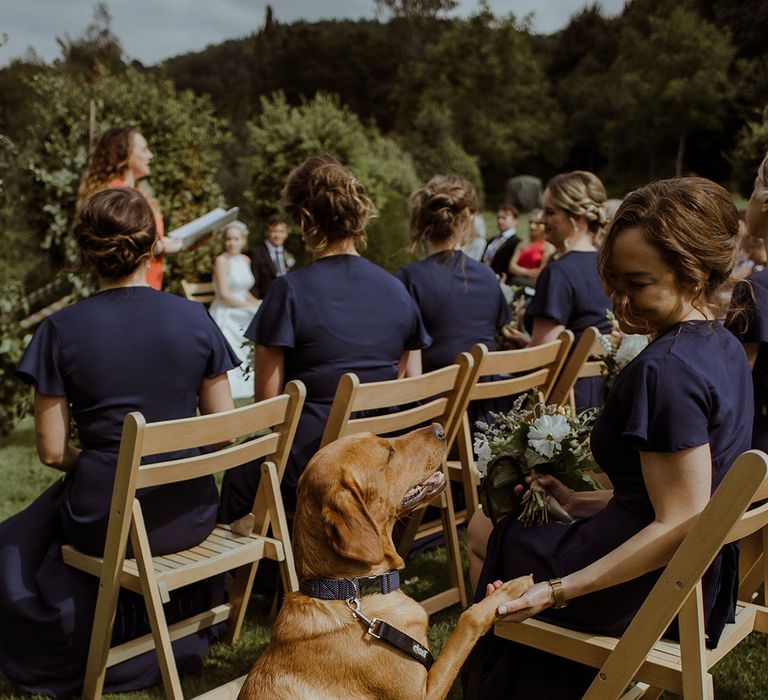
(327, 202)
(115, 230)
(439, 209)
(694, 225)
(580, 193)
(109, 161)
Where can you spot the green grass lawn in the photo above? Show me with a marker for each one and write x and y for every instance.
(742, 676)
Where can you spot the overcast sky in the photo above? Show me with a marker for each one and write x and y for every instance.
(152, 30)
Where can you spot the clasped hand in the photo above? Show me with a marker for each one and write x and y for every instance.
(537, 598)
(558, 497)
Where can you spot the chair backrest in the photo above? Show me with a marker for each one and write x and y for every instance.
(198, 291)
(278, 415)
(583, 362)
(438, 396)
(510, 372)
(678, 590)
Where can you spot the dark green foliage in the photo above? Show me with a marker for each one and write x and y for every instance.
(482, 71)
(750, 150)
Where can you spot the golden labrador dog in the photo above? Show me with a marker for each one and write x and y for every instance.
(349, 498)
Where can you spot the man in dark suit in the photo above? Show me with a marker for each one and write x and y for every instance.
(268, 259)
(501, 247)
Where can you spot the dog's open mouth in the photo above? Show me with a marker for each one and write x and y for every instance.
(424, 490)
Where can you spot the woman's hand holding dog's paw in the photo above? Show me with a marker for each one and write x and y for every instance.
(537, 598)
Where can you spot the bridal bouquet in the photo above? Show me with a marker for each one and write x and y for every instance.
(533, 439)
(620, 350)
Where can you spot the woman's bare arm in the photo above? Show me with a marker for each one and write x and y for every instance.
(52, 432)
(269, 362)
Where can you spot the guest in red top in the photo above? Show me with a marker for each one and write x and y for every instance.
(528, 260)
(121, 158)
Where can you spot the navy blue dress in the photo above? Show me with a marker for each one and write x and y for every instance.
(460, 303)
(569, 292)
(341, 314)
(689, 387)
(750, 325)
(121, 350)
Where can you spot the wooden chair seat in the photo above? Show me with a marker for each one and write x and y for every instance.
(223, 550)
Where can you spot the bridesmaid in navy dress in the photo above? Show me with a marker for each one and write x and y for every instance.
(125, 348)
(569, 293)
(749, 318)
(340, 314)
(677, 417)
(459, 298)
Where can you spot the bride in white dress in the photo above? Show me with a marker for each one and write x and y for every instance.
(234, 305)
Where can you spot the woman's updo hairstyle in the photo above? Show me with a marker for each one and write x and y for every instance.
(580, 193)
(440, 210)
(327, 202)
(115, 231)
(694, 225)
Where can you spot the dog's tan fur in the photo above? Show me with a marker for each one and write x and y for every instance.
(349, 498)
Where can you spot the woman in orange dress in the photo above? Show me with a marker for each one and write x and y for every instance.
(122, 158)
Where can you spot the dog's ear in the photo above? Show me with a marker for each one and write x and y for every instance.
(351, 530)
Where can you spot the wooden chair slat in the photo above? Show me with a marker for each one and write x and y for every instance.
(395, 422)
(511, 386)
(378, 395)
(173, 471)
(204, 292)
(215, 428)
(523, 360)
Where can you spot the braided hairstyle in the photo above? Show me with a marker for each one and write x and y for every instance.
(327, 202)
(441, 209)
(580, 193)
(694, 225)
(115, 230)
(109, 161)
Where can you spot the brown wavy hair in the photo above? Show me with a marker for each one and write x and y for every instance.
(327, 202)
(108, 162)
(115, 230)
(439, 209)
(694, 225)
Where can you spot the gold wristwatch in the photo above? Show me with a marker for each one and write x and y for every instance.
(557, 591)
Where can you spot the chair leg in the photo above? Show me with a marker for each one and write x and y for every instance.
(467, 459)
(452, 549)
(154, 605)
(98, 650)
(280, 526)
(239, 594)
(412, 525)
(697, 681)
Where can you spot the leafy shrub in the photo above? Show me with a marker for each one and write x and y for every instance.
(750, 151)
(284, 136)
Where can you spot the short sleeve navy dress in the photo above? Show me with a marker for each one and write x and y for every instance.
(569, 292)
(341, 314)
(120, 350)
(750, 324)
(689, 387)
(460, 303)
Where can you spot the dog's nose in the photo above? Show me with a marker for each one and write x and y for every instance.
(439, 432)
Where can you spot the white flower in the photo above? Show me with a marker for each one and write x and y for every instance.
(606, 343)
(631, 346)
(483, 451)
(546, 434)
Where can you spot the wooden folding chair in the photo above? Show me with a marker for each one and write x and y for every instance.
(155, 577)
(507, 372)
(584, 362)
(640, 653)
(439, 396)
(198, 291)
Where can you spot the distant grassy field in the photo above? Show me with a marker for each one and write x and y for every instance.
(742, 676)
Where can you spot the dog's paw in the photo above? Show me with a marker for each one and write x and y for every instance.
(514, 588)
